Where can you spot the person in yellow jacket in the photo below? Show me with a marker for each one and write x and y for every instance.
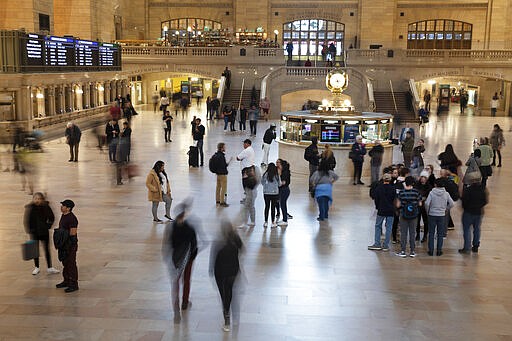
(159, 190)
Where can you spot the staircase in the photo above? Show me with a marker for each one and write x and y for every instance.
(232, 96)
(384, 103)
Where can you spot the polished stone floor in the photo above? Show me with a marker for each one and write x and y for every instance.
(309, 282)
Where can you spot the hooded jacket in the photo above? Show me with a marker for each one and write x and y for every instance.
(438, 201)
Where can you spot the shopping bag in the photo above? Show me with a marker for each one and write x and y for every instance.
(30, 249)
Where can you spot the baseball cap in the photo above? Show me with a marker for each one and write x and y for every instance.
(424, 173)
(68, 203)
(386, 177)
(272, 124)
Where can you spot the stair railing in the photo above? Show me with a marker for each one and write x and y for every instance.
(393, 95)
(220, 92)
(415, 96)
(241, 94)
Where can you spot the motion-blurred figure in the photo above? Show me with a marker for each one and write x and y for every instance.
(73, 135)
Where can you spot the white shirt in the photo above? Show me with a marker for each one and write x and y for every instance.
(246, 157)
(164, 183)
(495, 103)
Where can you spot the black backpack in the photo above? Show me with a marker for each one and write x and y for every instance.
(410, 210)
(213, 163)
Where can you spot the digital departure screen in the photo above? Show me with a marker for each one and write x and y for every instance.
(60, 52)
(109, 55)
(87, 53)
(33, 51)
(330, 133)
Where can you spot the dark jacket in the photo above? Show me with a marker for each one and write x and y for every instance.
(474, 199)
(225, 255)
(270, 134)
(112, 131)
(285, 176)
(183, 242)
(331, 162)
(417, 158)
(452, 188)
(38, 220)
(220, 166)
(423, 189)
(376, 154)
(359, 151)
(311, 154)
(73, 135)
(198, 132)
(384, 198)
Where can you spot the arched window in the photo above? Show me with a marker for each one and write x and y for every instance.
(308, 37)
(439, 34)
(186, 31)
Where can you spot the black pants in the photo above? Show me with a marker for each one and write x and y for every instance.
(225, 285)
(232, 125)
(284, 193)
(252, 125)
(70, 271)
(271, 202)
(358, 170)
(423, 215)
(494, 152)
(167, 134)
(241, 125)
(73, 152)
(395, 227)
(47, 254)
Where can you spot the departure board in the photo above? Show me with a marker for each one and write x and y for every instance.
(67, 54)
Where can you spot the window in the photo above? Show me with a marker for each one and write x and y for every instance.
(184, 31)
(439, 34)
(44, 22)
(308, 36)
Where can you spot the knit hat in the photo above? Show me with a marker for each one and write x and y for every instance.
(424, 173)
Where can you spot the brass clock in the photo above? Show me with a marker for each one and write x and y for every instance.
(336, 80)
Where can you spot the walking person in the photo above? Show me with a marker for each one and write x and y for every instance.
(198, 136)
(312, 156)
(73, 135)
(209, 108)
(226, 113)
(376, 154)
(167, 119)
(322, 181)
(159, 190)
(497, 142)
(449, 160)
(112, 133)
(283, 169)
(495, 103)
(246, 158)
(270, 181)
(219, 166)
(357, 154)
(164, 103)
(417, 163)
(384, 197)
(268, 137)
(474, 198)
(225, 266)
(265, 108)
(38, 221)
(485, 159)
(409, 201)
(253, 115)
(68, 223)
(438, 201)
(242, 118)
(179, 249)
(123, 154)
(232, 118)
(407, 147)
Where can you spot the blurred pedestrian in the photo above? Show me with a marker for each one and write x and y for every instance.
(322, 181)
(112, 132)
(159, 190)
(357, 154)
(73, 135)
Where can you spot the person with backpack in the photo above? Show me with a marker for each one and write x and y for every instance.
(312, 156)
(219, 166)
(409, 201)
(438, 201)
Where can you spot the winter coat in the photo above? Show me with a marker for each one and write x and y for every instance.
(38, 220)
(154, 187)
(497, 140)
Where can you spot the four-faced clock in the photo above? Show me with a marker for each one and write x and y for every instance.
(336, 80)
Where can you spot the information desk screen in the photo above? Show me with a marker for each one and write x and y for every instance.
(350, 133)
(60, 52)
(87, 53)
(109, 55)
(330, 133)
(32, 48)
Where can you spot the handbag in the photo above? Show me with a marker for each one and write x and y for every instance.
(30, 249)
(351, 155)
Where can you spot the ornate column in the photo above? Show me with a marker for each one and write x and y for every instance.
(51, 101)
(106, 92)
(86, 99)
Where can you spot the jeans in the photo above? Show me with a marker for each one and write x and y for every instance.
(270, 202)
(253, 125)
(154, 209)
(232, 125)
(73, 151)
(378, 230)
(323, 207)
(266, 150)
(248, 210)
(167, 134)
(284, 193)
(408, 227)
(112, 149)
(436, 223)
(469, 219)
(226, 122)
(220, 190)
(200, 149)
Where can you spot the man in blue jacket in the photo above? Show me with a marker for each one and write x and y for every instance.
(384, 197)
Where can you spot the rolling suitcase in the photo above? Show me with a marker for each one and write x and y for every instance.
(193, 157)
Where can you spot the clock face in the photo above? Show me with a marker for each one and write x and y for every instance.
(337, 80)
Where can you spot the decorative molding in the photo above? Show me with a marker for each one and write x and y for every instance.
(190, 5)
(324, 5)
(437, 5)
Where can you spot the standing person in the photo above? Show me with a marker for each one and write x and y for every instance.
(270, 181)
(289, 49)
(424, 188)
(219, 166)
(251, 180)
(167, 118)
(242, 117)
(268, 137)
(198, 136)
(407, 147)
(164, 103)
(227, 75)
(115, 111)
(474, 198)
(253, 119)
(328, 157)
(497, 142)
(179, 249)
(438, 201)
(409, 200)
(155, 102)
(376, 154)
(265, 107)
(69, 223)
(358, 152)
(463, 101)
(246, 158)
(495, 102)
(226, 113)
(283, 169)
(332, 51)
(485, 159)
(322, 181)
(73, 135)
(123, 155)
(225, 266)
(112, 132)
(209, 115)
(426, 98)
(159, 190)
(312, 156)
(384, 197)
(232, 118)
(215, 108)
(449, 160)
(417, 163)
(38, 220)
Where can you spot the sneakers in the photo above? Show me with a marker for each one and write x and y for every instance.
(464, 251)
(226, 328)
(283, 223)
(374, 247)
(70, 289)
(157, 221)
(274, 225)
(290, 216)
(223, 204)
(61, 285)
(401, 254)
(251, 225)
(265, 225)
(412, 254)
(385, 249)
(36, 271)
(474, 249)
(52, 271)
(439, 253)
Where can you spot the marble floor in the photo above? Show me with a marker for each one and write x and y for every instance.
(310, 281)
